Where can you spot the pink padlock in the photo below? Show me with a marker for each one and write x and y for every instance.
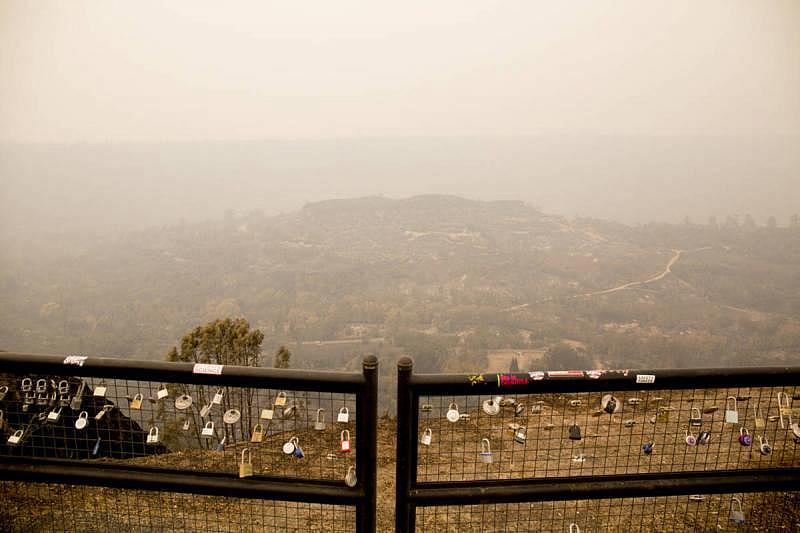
(345, 441)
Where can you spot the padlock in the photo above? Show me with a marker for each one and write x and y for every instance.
(427, 436)
(486, 451)
(267, 414)
(217, 400)
(634, 401)
(16, 437)
(208, 430)
(573, 528)
(162, 393)
(690, 439)
(258, 433)
(319, 423)
(63, 393)
(452, 412)
(82, 421)
(221, 444)
(492, 406)
(731, 415)
(737, 514)
(102, 412)
(3, 392)
(764, 446)
(695, 418)
(711, 409)
(795, 431)
(77, 400)
(54, 415)
(205, 410)
(246, 465)
(575, 403)
(26, 385)
(662, 415)
(519, 410)
(536, 408)
(647, 448)
(231, 416)
(426, 408)
(629, 423)
(280, 399)
(784, 409)
(96, 448)
(521, 435)
(288, 412)
(290, 445)
(136, 403)
(100, 390)
(609, 404)
(183, 402)
(344, 416)
(298, 451)
(344, 441)
(186, 424)
(759, 421)
(350, 478)
(704, 437)
(575, 432)
(152, 435)
(41, 386)
(744, 437)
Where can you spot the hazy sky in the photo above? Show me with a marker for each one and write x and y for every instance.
(113, 70)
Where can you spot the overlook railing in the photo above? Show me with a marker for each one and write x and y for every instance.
(598, 450)
(104, 444)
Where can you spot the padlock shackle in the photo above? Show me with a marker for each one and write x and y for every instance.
(343, 433)
(428, 431)
(209, 424)
(728, 401)
(486, 446)
(738, 503)
(249, 456)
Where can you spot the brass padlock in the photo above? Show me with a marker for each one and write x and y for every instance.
(3, 392)
(54, 415)
(102, 412)
(258, 433)
(246, 466)
(280, 399)
(136, 403)
(784, 409)
(267, 414)
(759, 421)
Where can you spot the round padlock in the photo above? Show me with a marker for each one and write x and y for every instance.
(289, 447)
(744, 437)
(492, 406)
(184, 401)
(231, 416)
(452, 413)
(82, 421)
(690, 439)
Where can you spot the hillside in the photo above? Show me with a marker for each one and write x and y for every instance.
(450, 281)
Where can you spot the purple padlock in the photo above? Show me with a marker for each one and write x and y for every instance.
(745, 439)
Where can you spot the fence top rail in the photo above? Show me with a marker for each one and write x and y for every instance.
(168, 372)
(600, 380)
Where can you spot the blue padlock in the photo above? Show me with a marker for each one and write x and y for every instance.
(298, 451)
(647, 448)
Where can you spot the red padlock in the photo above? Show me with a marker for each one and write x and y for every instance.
(345, 441)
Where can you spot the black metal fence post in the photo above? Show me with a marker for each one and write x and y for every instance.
(366, 433)
(406, 466)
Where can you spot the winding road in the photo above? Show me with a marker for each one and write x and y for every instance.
(667, 270)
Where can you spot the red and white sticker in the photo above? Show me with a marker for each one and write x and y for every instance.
(205, 368)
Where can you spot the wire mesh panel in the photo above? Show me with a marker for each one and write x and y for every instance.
(709, 512)
(284, 433)
(56, 507)
(516, 436)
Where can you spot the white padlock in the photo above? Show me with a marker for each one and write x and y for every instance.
(208, 429)
(319, 423)
(452, 413)
(427, 436)
(152, 436)
(486, 451)
(344, 416)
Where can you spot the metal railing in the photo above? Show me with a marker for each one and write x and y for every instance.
(546, 450)
(261, 448)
